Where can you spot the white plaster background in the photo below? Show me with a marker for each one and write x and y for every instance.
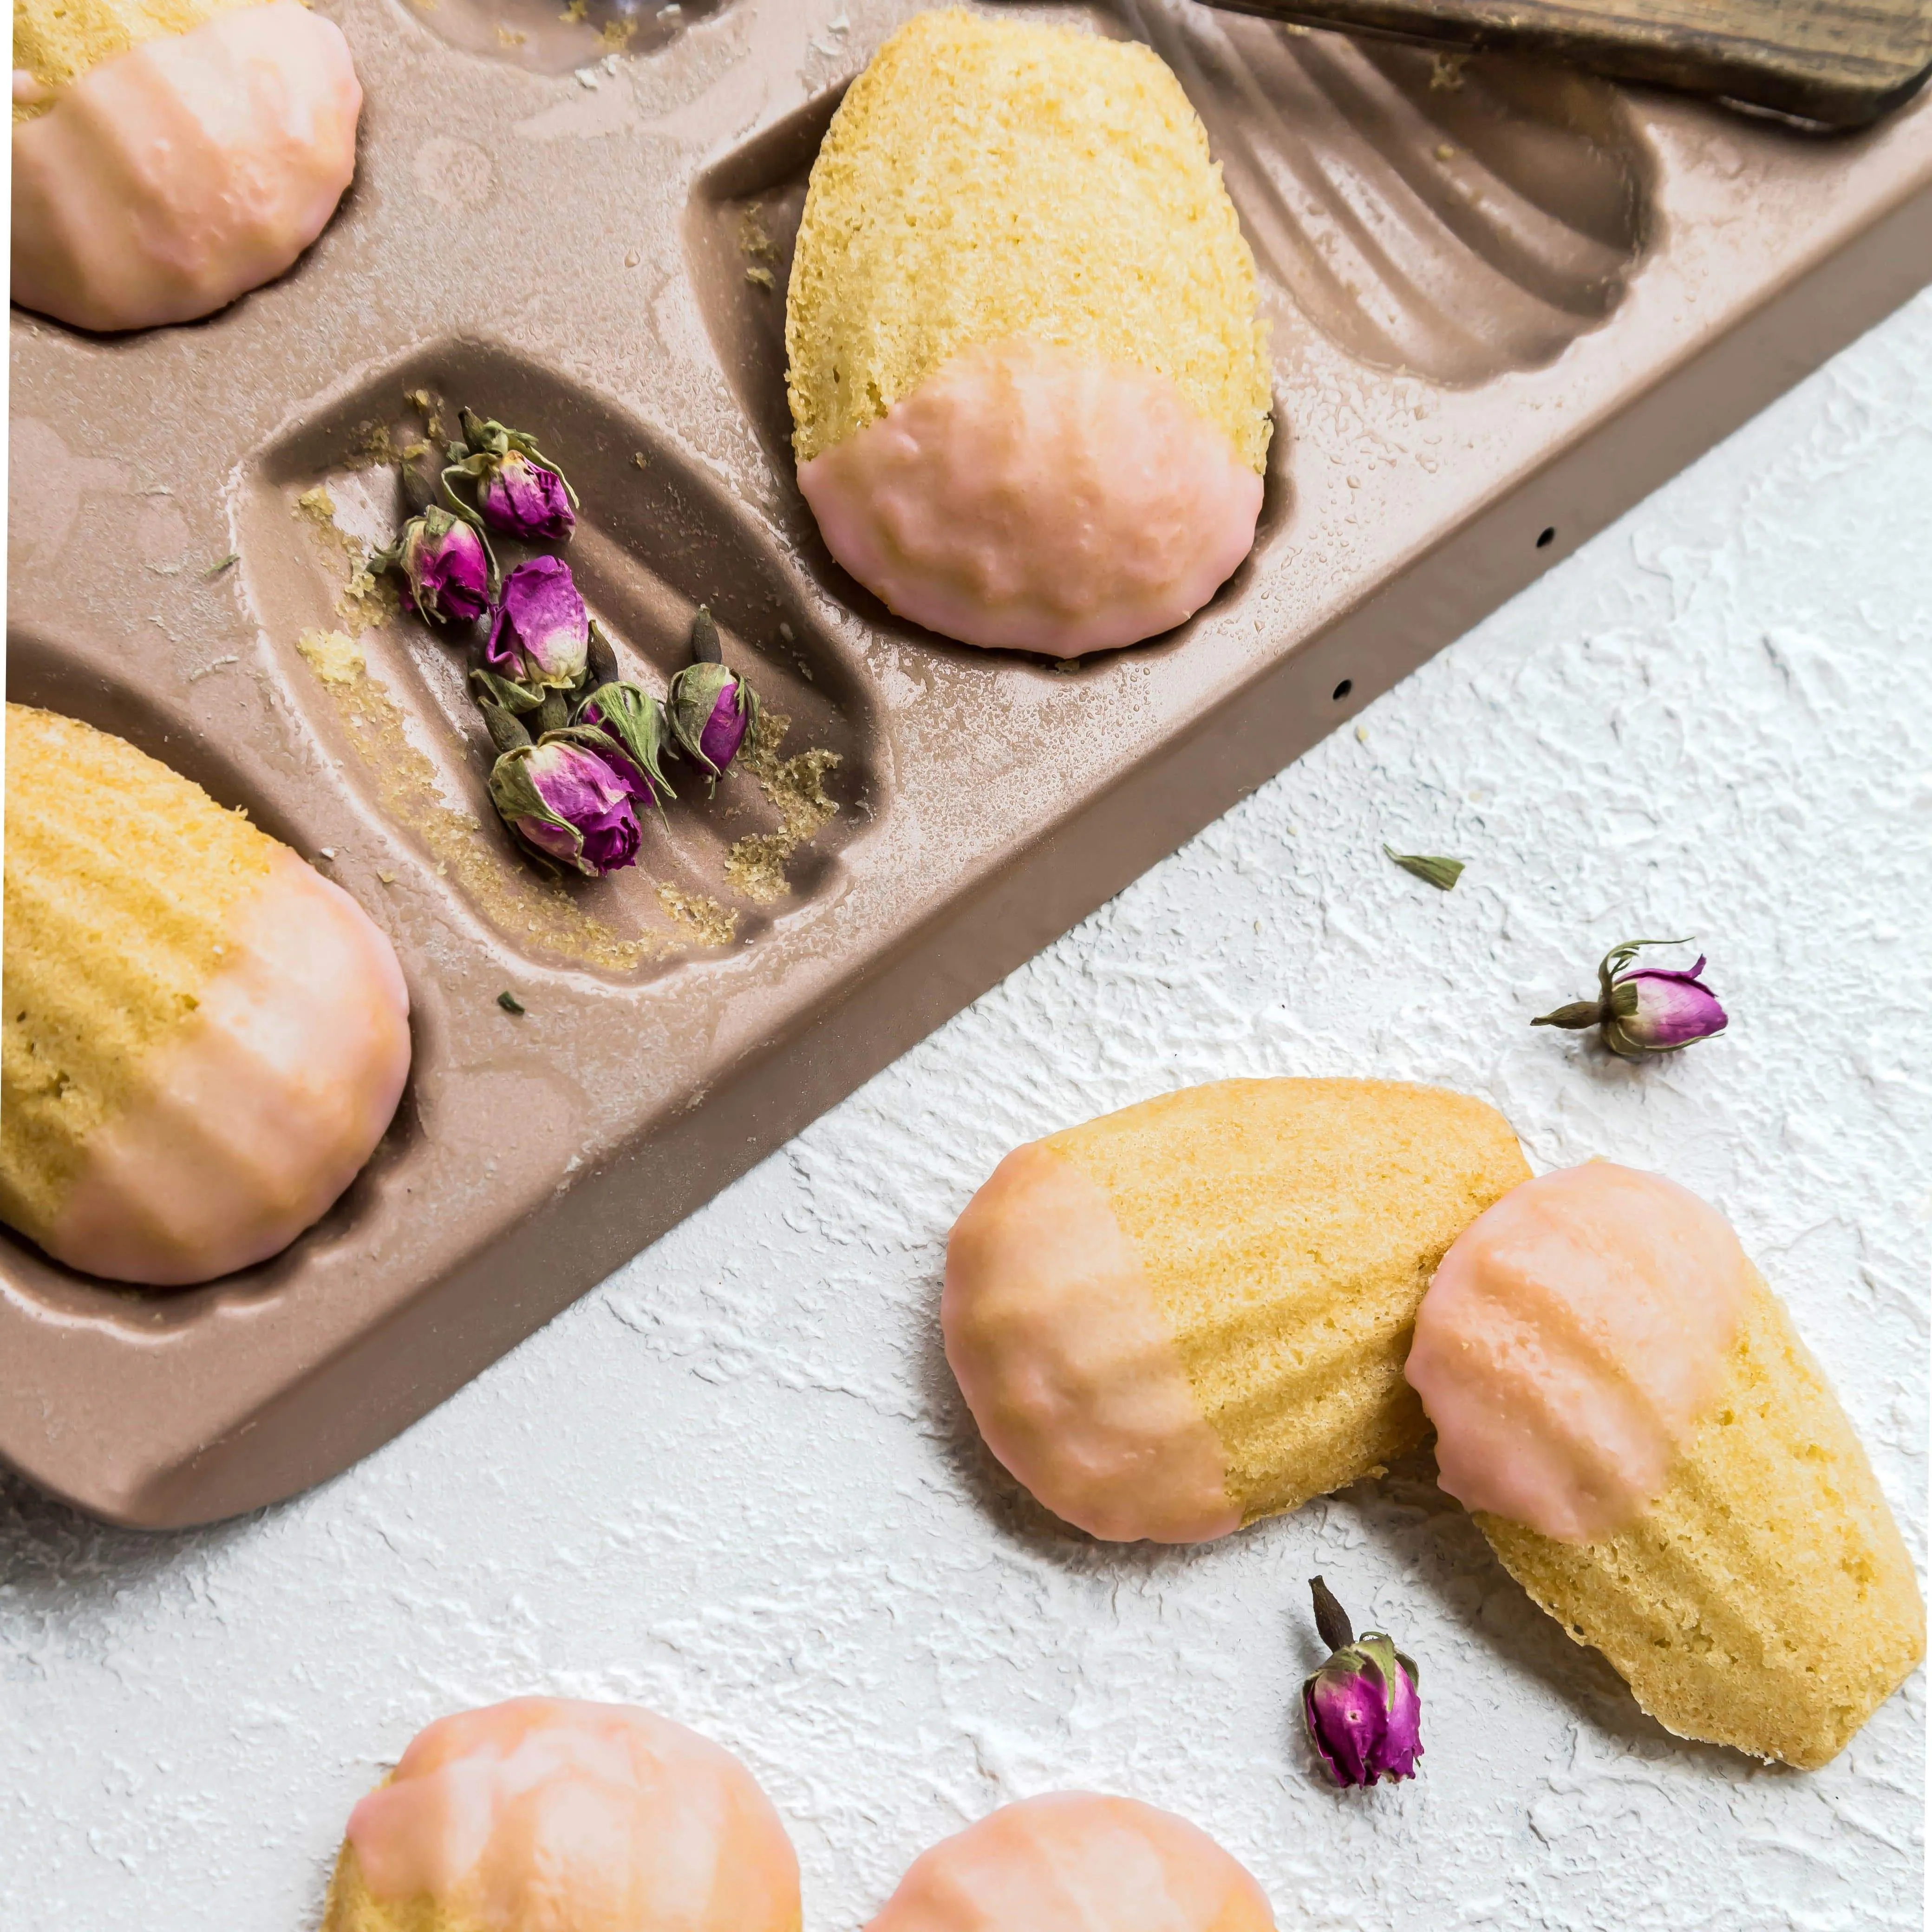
(736, 1482)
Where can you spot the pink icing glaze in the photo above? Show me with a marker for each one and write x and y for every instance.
(546, 1814)
(1074, 1378)
(1025, 497)
(1571, 1341)
(1074, 1862)
(177, 176)
(263, 1110)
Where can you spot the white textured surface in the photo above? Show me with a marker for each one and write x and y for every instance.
(735, 1484)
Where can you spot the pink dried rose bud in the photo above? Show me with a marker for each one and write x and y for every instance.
(518, 489)
(568, 805)
(1362, 1708)
(1646, 1010)
(444, 565)
(523, 499)
(542, 635)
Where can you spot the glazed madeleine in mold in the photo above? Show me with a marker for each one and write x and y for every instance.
(1029, 386)
(1657, 1458)
(1193, 1313)
(549, 1814)
(204, 1040)
(1075, 1859)
(161, 170)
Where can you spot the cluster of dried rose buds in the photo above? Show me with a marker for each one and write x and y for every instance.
(579, 749)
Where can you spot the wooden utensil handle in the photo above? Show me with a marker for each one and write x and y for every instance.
(1839, 63)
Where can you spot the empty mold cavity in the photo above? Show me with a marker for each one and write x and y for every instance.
(559, 36)
(41, 673)
(1451, 216)
(388, 693)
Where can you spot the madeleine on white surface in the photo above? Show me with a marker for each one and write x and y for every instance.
(1074, 1861)
(1655, 1456)
(549, 1814)
(1193, 1313)
(158, 176)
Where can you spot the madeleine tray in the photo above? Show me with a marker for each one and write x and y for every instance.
(1506, 302)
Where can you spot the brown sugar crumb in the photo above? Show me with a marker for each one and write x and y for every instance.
(705, 918)
(795, 787)
(366, 600)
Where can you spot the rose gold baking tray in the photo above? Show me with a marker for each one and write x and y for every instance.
(1506, 303)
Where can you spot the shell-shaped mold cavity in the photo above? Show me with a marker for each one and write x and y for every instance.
(1453, 217)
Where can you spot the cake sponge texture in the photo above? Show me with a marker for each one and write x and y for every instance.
(122, 879)
(985, 180)
(1765, 1600)
(1287, 1229)
(57, 41)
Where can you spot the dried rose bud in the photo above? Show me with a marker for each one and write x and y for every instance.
(541, 633)
(568, 805)
(711, 709)
(1645, 1011)
(519, 490)
(444, 566)
(1362, 1707)
(632, 721)
(524, 498)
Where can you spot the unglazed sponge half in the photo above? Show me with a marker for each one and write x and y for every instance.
(203, 1039)
(1029, 386)
(1657, 1458)
(1193, 1313)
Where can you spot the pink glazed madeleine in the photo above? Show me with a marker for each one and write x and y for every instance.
(1659, 1461)
(156, 182)
(1076, 1862)
(204, 1040)
(1029, 387)
(548, 1814)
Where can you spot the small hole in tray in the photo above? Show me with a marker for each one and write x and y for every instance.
(1548, 538)
(1342, 689)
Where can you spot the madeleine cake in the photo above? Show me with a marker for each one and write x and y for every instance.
(1657, 1458)
(169, 155)
(1195, 1312)
(1072, 1859)
(548, 1814)
(1029, 385)
(204, 1039)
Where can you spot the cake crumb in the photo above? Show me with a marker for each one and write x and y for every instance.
(759, 278)
(508, 36)
(754, 237)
